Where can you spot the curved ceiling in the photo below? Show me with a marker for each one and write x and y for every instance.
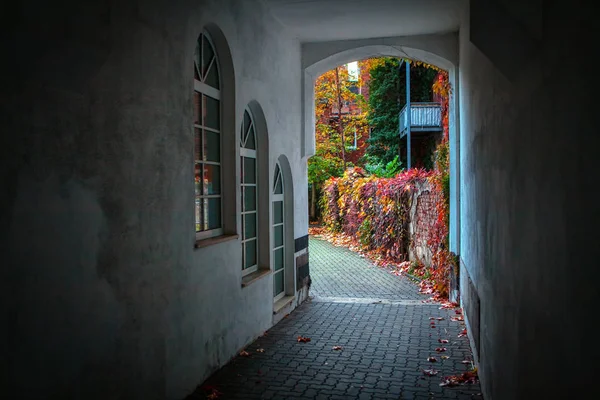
(326, 20)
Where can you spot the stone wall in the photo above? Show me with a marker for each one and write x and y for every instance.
(423, 215)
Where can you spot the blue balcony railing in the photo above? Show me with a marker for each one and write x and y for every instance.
(424, 117)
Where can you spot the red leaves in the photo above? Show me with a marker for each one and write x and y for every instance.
(302, 339)
(443, 341)
(466, 378)
(463, 333)
(441, 349)
(211, 392)
(337, 348)
(431, 359)
(430, 372)
(459, 318)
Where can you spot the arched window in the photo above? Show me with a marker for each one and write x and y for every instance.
(208, 139)
(279, 244)
(249, 179)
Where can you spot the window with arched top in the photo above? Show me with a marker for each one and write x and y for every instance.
(208, 139)
(249, 183)
(279, 244)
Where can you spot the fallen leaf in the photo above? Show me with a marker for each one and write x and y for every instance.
(433, 326)
(463, 333)
(244, 353)
(443, 341)
(466, 361)
(458, 311)
(444, 357)
(440, 318)
(457, 319)
(260, 350)
(337, 347)
(431, 359)
(430, 372)
(441, 349)
(302, 339)
(431, 318)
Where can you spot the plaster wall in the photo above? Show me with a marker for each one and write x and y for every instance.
(103, 293)
(528, 157)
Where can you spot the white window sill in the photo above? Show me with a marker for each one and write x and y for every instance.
(214, 240)
(282, 303)
(255, 276)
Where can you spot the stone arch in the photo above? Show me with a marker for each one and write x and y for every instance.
(438, 50)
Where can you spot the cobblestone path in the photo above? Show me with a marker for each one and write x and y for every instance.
(385, 331)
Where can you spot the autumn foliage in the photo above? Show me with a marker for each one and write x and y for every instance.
(373, 214)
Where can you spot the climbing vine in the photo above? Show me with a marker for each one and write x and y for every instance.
(372, 214)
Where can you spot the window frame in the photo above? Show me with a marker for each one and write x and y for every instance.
(278, 197)
(204, 91)
(253, 154)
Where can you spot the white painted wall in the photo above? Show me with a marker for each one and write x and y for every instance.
(110, 298)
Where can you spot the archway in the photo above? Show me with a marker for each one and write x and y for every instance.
(438, 50)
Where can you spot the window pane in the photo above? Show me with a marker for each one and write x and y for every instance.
(213, 213)
(250, 253)
(249, 226)
(198, 179)
(247, 121)
(275, 177)
(197, 60)
(249, 170)
(212, 78)
(250, 141)
(278, 235)
(198, 207)
(277, 283)
(197, 144)
(249, 198)
(207, 54)
(212, 146)
(278, 259)
(197, 107)
(212, 179)
(211, 113)
(277, 212)
(279, 185)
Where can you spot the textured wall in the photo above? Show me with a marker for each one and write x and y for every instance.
(103, 293)
(528, 224)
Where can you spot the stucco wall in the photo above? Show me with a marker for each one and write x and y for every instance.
(528, 151)
(103, 293)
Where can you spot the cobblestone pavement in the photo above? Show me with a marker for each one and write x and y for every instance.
(384, 343)
(338, 272)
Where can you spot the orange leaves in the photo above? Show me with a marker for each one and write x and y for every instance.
(302, 339)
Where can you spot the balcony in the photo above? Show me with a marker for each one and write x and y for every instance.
(424, 117)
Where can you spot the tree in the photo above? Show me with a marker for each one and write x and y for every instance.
(387, 89)
(334, 130)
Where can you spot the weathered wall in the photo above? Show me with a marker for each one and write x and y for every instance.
(423, 216)
(103, 293)
(529, 161)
